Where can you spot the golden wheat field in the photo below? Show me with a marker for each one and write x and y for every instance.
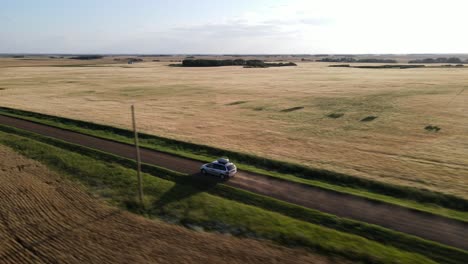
(365, 122)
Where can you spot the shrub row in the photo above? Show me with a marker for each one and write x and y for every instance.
(87, 57)
(349, 59)
(236, 62)
(439, 60)
(403, 66)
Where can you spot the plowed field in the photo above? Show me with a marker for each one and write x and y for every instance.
(44, 218)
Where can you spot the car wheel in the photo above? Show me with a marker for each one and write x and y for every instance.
(203, 172)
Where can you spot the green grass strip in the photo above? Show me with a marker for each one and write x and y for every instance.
(192, 206)
(433, 250)
(423, 200)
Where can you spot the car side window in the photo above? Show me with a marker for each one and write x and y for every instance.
(219, 167)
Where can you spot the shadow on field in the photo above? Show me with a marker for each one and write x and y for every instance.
(197, 183)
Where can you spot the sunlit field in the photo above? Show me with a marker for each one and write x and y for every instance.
(364, 122)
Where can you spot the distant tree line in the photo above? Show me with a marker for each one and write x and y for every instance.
(211, 63)
(87, 57)
(236, 62)
(334, 59)
(350, 59)
(377, 61)
(132, 60)
(439, 60)
(388, 66)
(155, 55)
(262, 64)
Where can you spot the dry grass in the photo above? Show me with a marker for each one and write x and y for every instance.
(46, 219)
(202, 105)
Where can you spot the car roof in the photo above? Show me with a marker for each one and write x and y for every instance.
(223, 160)
(216, 162)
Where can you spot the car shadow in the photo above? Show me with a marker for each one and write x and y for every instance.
(196, 183)
(207, 179)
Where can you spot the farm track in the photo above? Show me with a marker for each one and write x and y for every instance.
(47, 219)
(424, 225)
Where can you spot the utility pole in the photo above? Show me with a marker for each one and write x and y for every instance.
(137, 148)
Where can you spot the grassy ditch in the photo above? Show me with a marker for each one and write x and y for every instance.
(103, 174)
(424, 200)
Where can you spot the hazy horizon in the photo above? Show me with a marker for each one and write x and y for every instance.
(232, 54)
(226, 27)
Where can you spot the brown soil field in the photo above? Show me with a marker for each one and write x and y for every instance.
(44, 218)
(243, 109)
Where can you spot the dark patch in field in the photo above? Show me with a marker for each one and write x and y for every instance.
(432, 128)
(292, 109)
(339, 65)
(259, 108)
(335, 115)
(395, 66)
(237, 102)
(368, 118)
(1, 89)
(73, 65)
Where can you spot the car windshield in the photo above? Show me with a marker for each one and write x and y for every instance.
(231, 167)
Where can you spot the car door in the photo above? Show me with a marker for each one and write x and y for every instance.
(210, 168)
(219, 169)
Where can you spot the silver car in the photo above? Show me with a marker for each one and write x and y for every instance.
(220, 167)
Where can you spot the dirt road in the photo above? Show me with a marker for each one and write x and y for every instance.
(46, 219)
(431, 227)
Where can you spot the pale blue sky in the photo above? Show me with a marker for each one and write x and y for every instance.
(240, 26)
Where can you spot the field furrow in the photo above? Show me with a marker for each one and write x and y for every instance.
(47, 219)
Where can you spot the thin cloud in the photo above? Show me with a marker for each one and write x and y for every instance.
(316, 21)
(232, 30)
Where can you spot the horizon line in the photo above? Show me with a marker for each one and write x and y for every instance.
(224, 54)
